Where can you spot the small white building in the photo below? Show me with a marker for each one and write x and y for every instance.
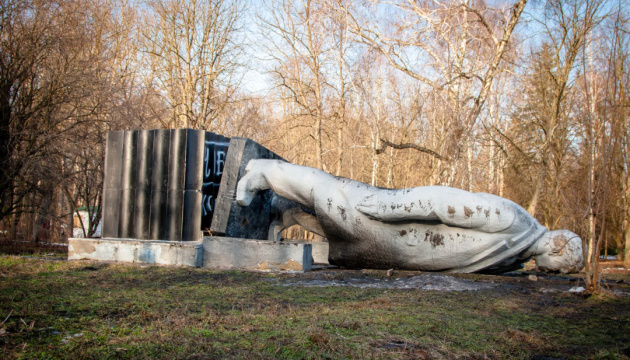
(77, 229)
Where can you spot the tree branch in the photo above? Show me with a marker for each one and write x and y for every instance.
(401, 146)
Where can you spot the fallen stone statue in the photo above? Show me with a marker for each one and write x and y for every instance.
(431, 228)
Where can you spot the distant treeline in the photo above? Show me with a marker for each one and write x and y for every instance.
(526, 100)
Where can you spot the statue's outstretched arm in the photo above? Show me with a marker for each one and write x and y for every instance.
(290, 181)
(450, 206)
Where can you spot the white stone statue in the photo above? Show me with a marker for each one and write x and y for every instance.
(432, 228)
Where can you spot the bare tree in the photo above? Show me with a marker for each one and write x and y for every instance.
(300, 50)
(193, 49)
(67, 70)
(455, 48)
(44, 95)
(609, 105)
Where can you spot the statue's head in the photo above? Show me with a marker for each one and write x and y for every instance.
(559, 250)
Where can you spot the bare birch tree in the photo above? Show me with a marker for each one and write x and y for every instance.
(300, 48)
(455, 48)
(193, 49)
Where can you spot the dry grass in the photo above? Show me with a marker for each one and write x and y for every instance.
(59, 309)
(25, 248)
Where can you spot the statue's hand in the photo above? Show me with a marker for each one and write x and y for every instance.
(250, 184)
(244, 193)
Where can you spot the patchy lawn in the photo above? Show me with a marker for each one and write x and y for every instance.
(60, 309)
(41, 250)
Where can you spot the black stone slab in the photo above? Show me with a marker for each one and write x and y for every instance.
(191, 225)
(174, 214)
(110, 216)
(163, 184)
(128, 184)
(112, 183)
(177, 160)
(191, 221)
(231, 219)
(143, 185)
(220, 155)
(157, 222)
(176, 183)
(159, 184)
(216, 147)
(208, 198)
(195, 141)
(129, 165)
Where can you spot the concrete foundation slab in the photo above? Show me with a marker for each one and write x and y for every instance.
(189, 253)
(235, 253)
(319, 250)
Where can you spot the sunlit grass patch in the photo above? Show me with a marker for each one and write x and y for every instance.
(95, 310)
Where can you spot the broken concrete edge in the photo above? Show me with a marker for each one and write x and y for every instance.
(211, 252)
(189, 253)
(319, 250)
(237, 253)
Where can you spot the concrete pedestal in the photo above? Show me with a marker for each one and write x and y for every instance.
(319, 250)
(212, 252)
(189, 253)
(234, 253)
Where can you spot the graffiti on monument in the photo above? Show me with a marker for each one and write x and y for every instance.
(214, 160)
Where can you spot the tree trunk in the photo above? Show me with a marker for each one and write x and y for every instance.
(619, 245)
(626, 257)
(15, 218)
(469, 165)
(7, 191)
(390, 171)
(501, 176)
(41, 215)
(339, 149)
(533, 203)
(626, 221)
(374, 166)
(318, 143)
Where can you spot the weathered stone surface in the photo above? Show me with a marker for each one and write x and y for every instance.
(170, 184)
(159, 184)
(112, 183)
(143, 185)
(137, 251)
(319, 250)
(191, 222)
(234, 253)
(128, 184)
(215, 150)
(153, 184)
(432, 228)
(230, 219)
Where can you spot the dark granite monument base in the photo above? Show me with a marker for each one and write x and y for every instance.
(231, 219)
(177, 184)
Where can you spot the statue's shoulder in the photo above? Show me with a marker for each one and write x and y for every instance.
(509, 211)
(497, 198)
